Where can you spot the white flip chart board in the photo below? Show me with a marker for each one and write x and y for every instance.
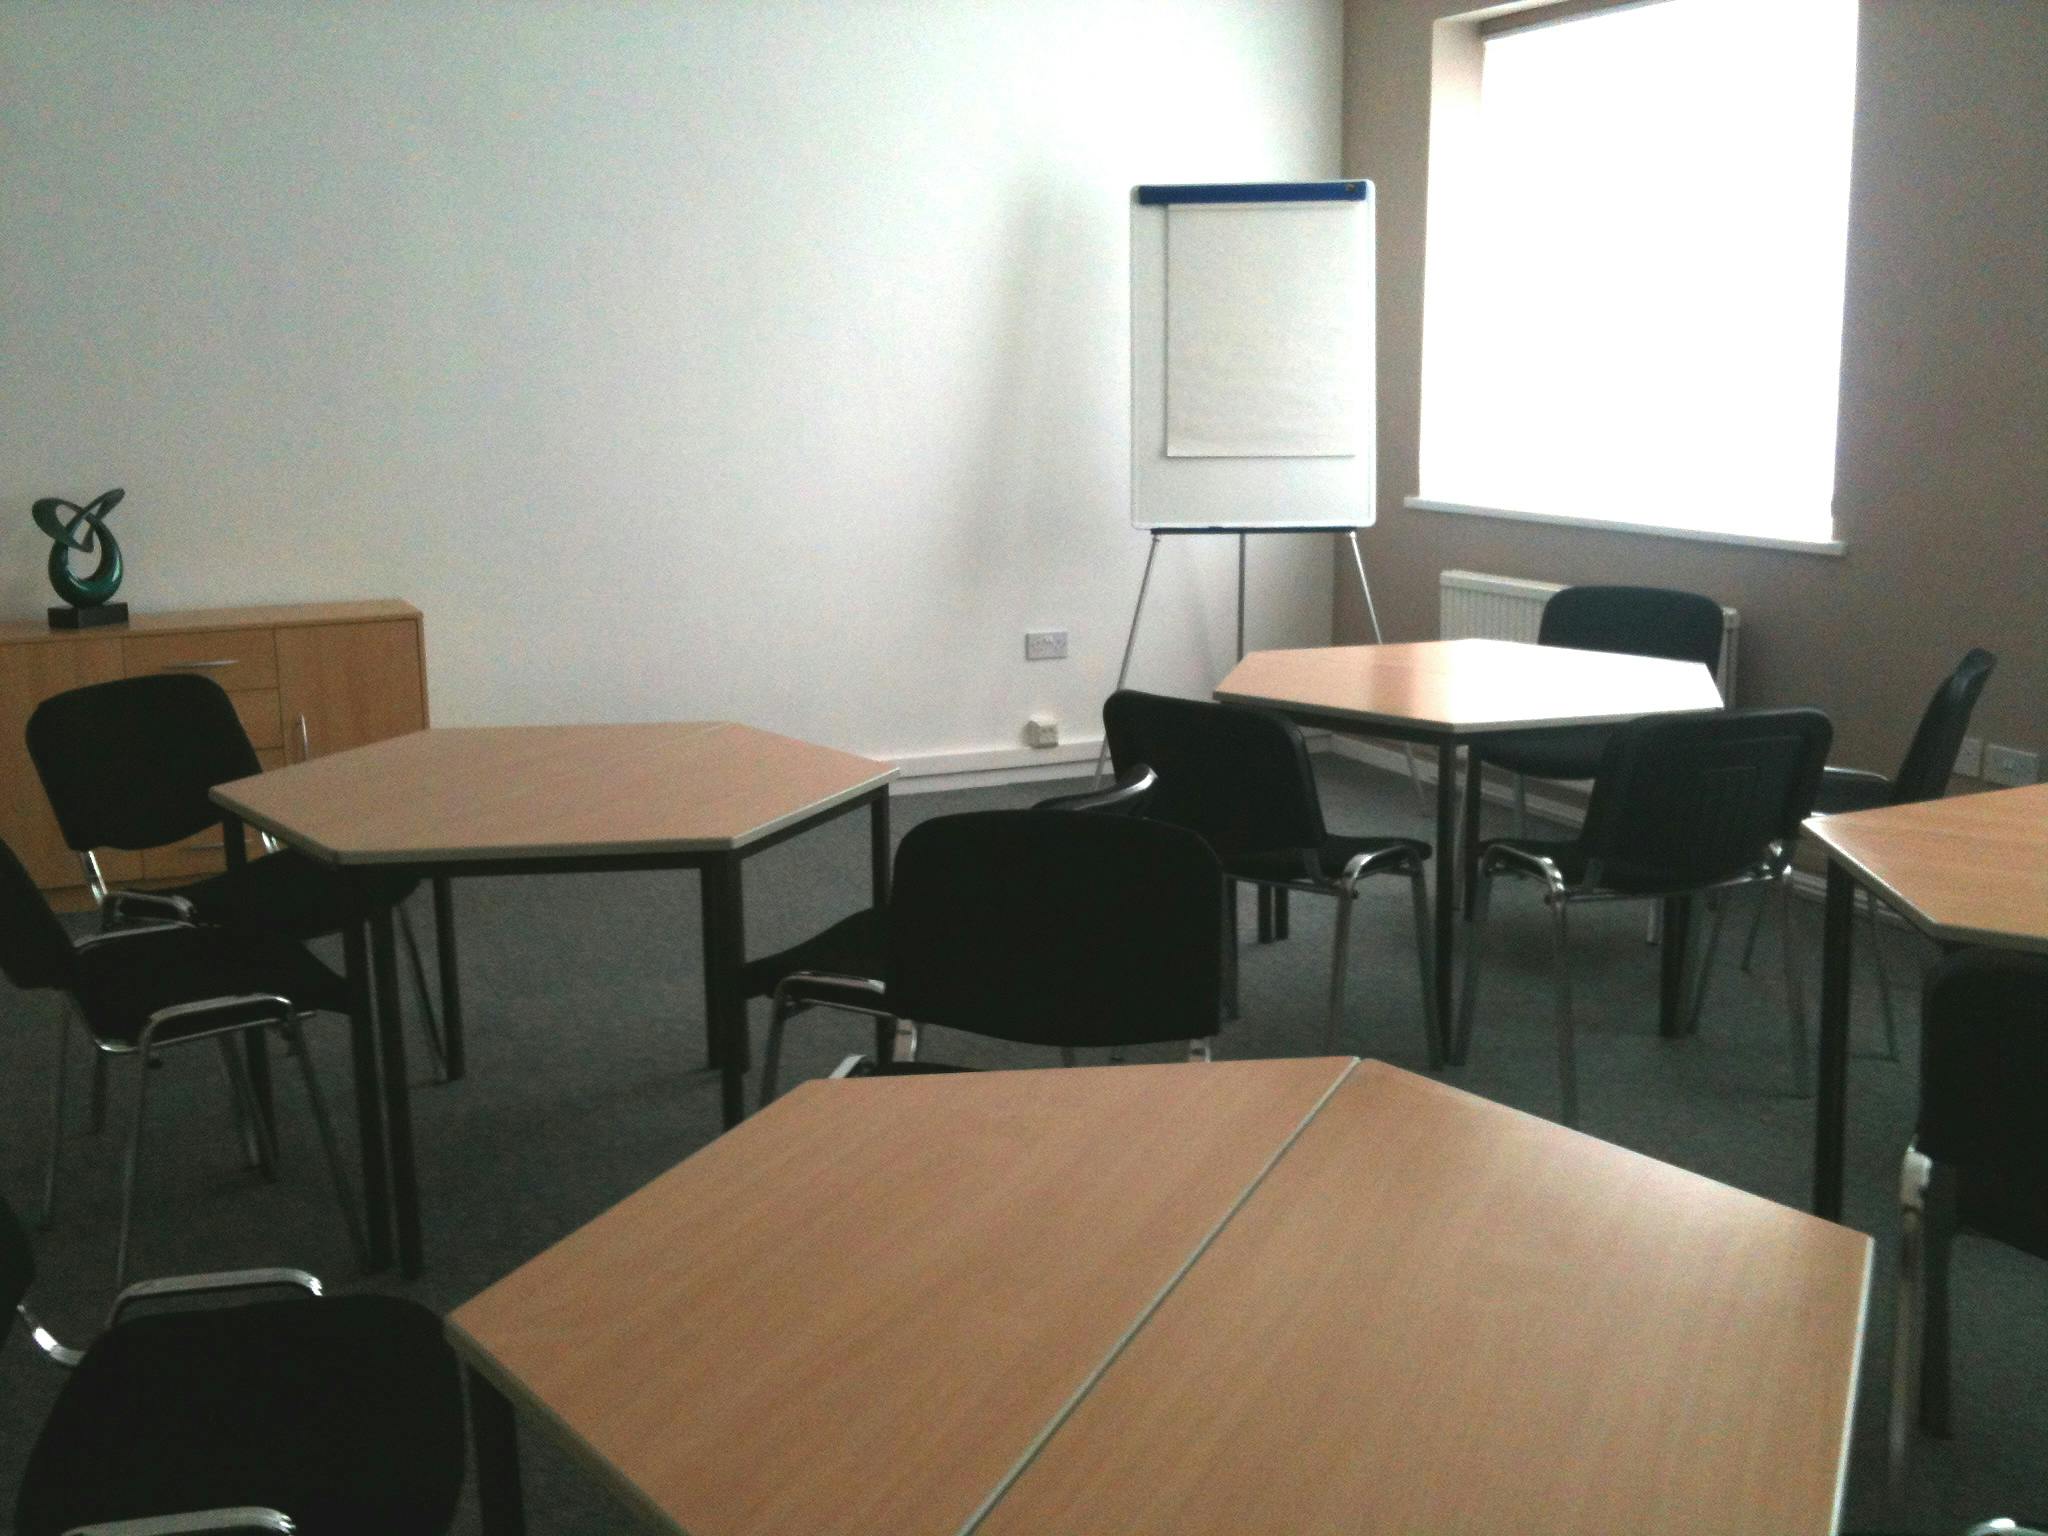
(1252, 356)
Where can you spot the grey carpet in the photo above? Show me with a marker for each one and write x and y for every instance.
(584, 997)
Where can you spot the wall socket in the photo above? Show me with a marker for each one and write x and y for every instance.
(1042, 731)
(2011, 765)
(1970, 758)
(1045, 645)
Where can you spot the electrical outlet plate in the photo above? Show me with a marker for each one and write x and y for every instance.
(1042, 731)
(1970, 759)
(1045, 645)
(2011, 766)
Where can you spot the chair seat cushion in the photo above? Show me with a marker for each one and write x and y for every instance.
(1568, 752)
(345, 1414)
(290, 894)
(122, 981)
(1324, 862)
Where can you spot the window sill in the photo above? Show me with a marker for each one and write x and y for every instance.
(1752, 540)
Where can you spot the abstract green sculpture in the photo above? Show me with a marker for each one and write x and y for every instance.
(82, 530)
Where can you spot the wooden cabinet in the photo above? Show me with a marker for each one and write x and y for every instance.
(306, 680)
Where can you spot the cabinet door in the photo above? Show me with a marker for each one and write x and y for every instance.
(346, 685)
(30, 673)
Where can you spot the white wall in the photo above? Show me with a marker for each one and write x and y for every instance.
(748, 358)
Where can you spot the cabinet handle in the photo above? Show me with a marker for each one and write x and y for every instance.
(214, 665)
(305, 741)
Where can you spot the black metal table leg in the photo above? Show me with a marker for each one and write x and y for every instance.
(725, 1003)
(256, 1043)
(495, 1430)
(1280, 894)
(362, 1033)
(1468, 846)
(1831, 1111)
(405, 1192)
(880, 854)
(451, 983)
(1446, 885)
(1671, 994)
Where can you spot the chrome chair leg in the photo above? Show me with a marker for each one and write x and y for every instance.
(771, 1049)
(1756, 926)
(430, 1021)
(1460, 1042)
(1795, 992)
(1346, 893)
(295, 1042)
(1704, 964)
(49, 1217)
(1567, 1045)
(1907, 1330)
(130, 1164)
(1884, 980)
(238, 1104)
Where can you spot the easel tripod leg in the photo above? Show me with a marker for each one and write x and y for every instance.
(1373, 616)
(1130, 642)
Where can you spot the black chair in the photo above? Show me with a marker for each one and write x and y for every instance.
(129, 764)
(1241, 778)
(1040, 928)
(1978, 1162)
(321, 1416)
(1634, 621)
(141, 991)
(1929, 764)
(1682, 805)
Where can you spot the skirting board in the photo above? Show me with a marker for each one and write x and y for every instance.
(983, 767)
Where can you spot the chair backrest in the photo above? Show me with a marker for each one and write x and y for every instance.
(127, 764)
(1685, 800)
(1057, 929)
(1983, 1082)
(1238, 776)
(1931, 759)
(17, 1266)
(35, 951)
(1636, 621)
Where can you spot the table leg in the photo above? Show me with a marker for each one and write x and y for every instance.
(1468, 848)
(880, 853)
(1831, 1112)
(362, 1032)
(451, 984)
(496, 1431)
(405, 1191)
(1671, 990)
(1446, 886)
(725, 1003)
(256, 1043)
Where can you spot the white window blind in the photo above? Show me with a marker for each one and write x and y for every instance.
(1640, 269)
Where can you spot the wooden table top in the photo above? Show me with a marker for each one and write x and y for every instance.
(1971, 869)
(859, 1310)
(1438, 1314)
(1458, 688)
(540, 791)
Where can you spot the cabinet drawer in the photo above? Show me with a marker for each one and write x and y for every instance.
(261, 718)
(240, 660)
(200, 854)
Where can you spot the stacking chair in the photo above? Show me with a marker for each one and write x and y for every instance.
(141, 991)
(1635, 621)
(1977, 1164)
(1682, 805)
(327, 1417)
(1067, 931)
(1929, 764)
(1241, 778)
(129, 764)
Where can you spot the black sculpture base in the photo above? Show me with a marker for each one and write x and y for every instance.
(89, 618)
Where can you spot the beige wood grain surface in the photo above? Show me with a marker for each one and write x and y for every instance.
(538, 791)
(1458, 688)
(1440, 1315)
(273, 616)
(858, 1310)
(1968, 869)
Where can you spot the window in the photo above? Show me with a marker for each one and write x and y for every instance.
(1637, 230)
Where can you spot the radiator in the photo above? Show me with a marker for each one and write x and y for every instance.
(1509, 608)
